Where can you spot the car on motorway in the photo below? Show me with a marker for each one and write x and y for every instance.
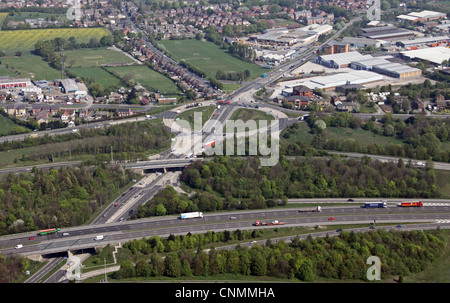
(372, 227)
(331, 219)
(18, 246)
(31, 238)
(253, 242)
(65, 234)
(399, 226)
(232, 218)
(350, 200)
(340, 229)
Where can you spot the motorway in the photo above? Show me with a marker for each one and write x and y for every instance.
(83, 237)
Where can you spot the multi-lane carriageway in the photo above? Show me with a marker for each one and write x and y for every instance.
(83, 237)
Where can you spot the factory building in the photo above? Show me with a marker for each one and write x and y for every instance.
(423, 16)
(69, 86)
(340, 60)
(8, 82)
(431, 41)
(434, 55)
(387, 33)
(397, 70)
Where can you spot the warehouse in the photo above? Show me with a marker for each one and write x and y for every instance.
(7, 82)
(422, 41)
(353, 77)
(422, 16)
(69, 86)
(397, 70)
(434, 55)
(387, 33)
(368, 64)
(363, 42)
(340, 60)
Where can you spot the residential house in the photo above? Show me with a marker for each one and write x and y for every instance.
(302, 90)
(124, 112)
(68, 115)
(42, 117)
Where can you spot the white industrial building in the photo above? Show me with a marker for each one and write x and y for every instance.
(340, 60)
(329, 82)
(434, 55)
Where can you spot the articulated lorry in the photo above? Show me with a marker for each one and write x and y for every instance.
(275, 222)
(317, 209)
(375, 205)
(191, 215)
(411, 204)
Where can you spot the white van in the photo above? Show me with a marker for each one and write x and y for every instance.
(18, 246)
(98, 238)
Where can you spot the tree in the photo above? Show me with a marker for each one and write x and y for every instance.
(126, 270)
(172, 265)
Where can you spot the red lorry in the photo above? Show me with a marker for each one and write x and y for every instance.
(411, 204)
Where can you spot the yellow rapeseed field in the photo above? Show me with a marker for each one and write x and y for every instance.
(26, 39)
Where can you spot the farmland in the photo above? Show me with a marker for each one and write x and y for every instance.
(24, 40)
(147, 77)
(208, 57)
(97, 75)
(94, 57)
(28, 65)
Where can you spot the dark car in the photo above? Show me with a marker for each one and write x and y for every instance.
(350, 200)
(340, 229)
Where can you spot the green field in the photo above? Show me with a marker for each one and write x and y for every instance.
(28, 65)
(98, 75)
(25, 40)
(148, 78)
(94, 57)
(188, 115)
(7, 127)
(208, 57)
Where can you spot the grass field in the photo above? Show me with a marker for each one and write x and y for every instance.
(94, 57)
(7, 126)
(98, 75)
(29, 65)
(148, 78)
(208, 57)
(188, 115)
(25, 40)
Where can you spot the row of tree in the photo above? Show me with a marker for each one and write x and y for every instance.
(235, 183)
(342, 257)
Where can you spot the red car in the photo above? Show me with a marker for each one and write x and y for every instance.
(332, 218)
(31, 238)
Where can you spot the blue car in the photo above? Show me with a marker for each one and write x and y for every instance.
(399, 225)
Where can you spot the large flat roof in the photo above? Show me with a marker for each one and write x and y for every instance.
(433, 54)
